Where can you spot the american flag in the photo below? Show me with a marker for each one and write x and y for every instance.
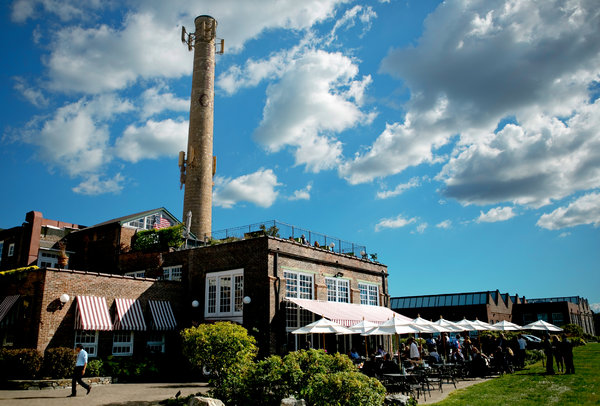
(160, 222)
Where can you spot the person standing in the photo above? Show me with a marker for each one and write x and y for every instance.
(80, 364)
(567, 352)
(549, 356)
(557, 350)
(522, 347)
(414, 350)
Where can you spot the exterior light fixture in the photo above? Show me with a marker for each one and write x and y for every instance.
(339, 275)
(64, 298)
(246, 300)
(195, 303)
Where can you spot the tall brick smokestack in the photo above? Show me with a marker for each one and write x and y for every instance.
(199, 167)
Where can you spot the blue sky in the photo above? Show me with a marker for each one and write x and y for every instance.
(457, 140)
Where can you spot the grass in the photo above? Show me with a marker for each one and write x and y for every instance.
(531, 387)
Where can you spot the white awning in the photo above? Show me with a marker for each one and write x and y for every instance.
(348, 314)
(7, 304)
(129, 315)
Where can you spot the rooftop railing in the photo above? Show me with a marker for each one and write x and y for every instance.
(301, 235)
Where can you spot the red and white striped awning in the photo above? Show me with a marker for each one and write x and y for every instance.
(92, 314)
(7, 304)
(129, 315)
(348, 314)
(162, 315)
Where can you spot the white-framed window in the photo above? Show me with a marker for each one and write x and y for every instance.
(155, 220)
(224, 293)
(338, 290)
(11, 249)
(48, 259)
(136, 274)
(172, 273)
(89, 340)
(156, 342)
(122, 343)
(298, 285)
(369, 294)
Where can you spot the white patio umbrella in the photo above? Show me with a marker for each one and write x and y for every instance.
(448, 326)
(425, 326)
(363, 327)
(507, 326)
(469, 325)
(322, 326)
(394, 326)
(487, 326)
(542, 325)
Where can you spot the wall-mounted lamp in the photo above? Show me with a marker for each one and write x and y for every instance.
(246, 300)
(64, 298)
(195, 303)
(363, 254)
(339, 275)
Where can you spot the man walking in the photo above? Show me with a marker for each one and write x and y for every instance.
(80, 364)
(522, 351)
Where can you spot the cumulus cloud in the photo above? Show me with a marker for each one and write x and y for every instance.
(314, 100)
(477, 63)
(76, 137)
(94, 185)
(496, 214)
(258, 188)
(446, 224)
(584, 210)
(154, 102)
(66, 10)
(420, 228)
(366, 15)
(401, 188)
(395, 222)
(595, 307)
(302, 194)
(153, 140)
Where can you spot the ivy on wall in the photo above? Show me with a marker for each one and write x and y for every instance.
(158, 240)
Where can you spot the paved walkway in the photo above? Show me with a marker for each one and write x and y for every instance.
(117, 394)
(437, 396)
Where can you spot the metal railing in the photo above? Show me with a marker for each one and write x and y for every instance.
(287, 231)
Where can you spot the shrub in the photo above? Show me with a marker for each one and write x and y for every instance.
(533, 356)
(59, 362)
(158, 240)
(94, 367)
(572, 330)
(22, 363)
(577, 341)
(224, 348)
(344, 388)
(131, 369)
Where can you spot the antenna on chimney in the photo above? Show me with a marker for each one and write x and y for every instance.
(187, 38)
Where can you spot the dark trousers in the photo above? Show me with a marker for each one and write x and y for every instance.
(77, 375)
(569, 367)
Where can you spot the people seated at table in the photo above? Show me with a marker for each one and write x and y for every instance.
(480, 364)
(433, 357)
(354, 354)
(500, 361)
(380, 352)
(457, 356)
(431, 343)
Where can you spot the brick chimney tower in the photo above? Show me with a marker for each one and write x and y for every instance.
(198, 167)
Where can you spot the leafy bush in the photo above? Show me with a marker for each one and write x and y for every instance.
(59, 362)
(533, 356)
(573, 330)
(158, 240)
(577, 341)
(94, 367)
(131, 369)
(224, 348)
(344, 388)
(22, 363)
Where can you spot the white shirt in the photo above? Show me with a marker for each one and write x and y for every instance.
(82, 358)
(414, 350)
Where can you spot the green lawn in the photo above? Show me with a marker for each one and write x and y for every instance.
(532, 387)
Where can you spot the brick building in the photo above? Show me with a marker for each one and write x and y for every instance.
(35, 242)
(558, 311)
(33, 314)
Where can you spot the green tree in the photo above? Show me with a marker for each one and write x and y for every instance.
(573, 330)
(224, 348)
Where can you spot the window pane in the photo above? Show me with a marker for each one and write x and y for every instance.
(212, 295)
(225, 294)
(239, 292)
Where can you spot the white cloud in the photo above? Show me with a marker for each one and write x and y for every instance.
(478, 63)
(595, 307)
(93, 185)
(446, 224)
(564, 234)
(302, 194)
(155, 102)
(420, 228)
(76, 138)
(584, 210)
(32, 95)
(312, 101)
(153, 140)
(66, 10)
(366, 15)
(258, 188)
(496, 214)
(401, 188)
(396, 222)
